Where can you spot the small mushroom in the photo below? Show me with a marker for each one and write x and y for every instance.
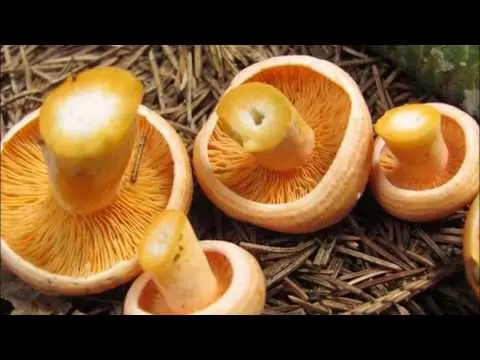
(81, 179)
(288, 146)
(426, 161)
(471, 246)
(185, 276)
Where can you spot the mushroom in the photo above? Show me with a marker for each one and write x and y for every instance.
(471, 246)
(288, 147)
(185, 276)
(82, 177)
(426, 161)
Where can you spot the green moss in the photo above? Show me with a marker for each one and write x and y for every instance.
(451, 72)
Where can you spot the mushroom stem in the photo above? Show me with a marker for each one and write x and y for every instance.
(88, 127)
(265, 123)
(413, 135)
(171, 253)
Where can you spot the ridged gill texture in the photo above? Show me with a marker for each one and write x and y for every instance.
(41, 232)
(455, 142)
(324, 105)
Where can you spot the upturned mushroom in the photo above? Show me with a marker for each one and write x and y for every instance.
(185, 276)
(471, 247)
(288, 146)
(426, 161)
(82, 177)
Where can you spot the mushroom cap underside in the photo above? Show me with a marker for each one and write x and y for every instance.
(241, 285)
(471, 246)
(314, 195)
(58, 252)
(415, 199)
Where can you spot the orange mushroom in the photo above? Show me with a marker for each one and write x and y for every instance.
(82, 177)
(426, 161)
(288, 147)
(471, 246)
(185, 276)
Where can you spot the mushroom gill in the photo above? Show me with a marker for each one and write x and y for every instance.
(322, 104)
(42, 232)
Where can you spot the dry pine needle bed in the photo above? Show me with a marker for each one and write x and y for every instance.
(370, 263)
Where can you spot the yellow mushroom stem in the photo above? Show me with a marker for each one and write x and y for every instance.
(413, 134)
(88, 127)
(265, 123)
(171, 253)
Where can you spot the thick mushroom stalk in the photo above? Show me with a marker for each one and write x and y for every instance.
(413, 135)
(87, 148)
(265, 123)
(171, 253)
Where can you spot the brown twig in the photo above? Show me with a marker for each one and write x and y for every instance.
(28, 72)
(432, 244)
(170, 56)
(403, 293)
(189, 89)
(135, 56)
(372, 259)
(138, 159)
(156, 78)
(380, 88)
(279, 270)
(295, 288)
(419, 258)
(313, 308)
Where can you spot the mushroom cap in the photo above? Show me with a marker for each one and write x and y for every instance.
(242, 286)
(451, 190)
(471, 247)
(315, 195)
(80, 263)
